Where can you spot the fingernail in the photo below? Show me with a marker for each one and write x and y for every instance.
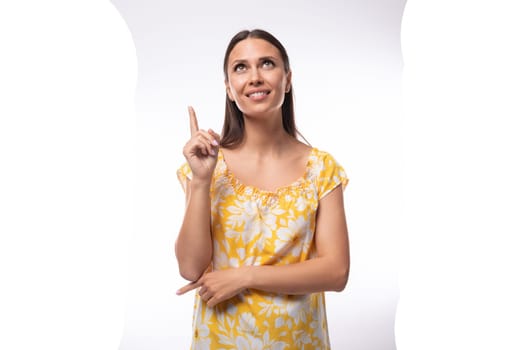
(177, 292)
(212, 152)
(214, 142)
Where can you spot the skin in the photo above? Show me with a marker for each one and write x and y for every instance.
(194, 245)
(256, 65)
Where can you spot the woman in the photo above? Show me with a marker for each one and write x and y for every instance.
(264, 233)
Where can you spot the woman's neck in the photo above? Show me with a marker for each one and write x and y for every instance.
(264, 137)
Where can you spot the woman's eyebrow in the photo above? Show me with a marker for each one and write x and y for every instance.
(238, 61)
(267, 58)
(243, 60)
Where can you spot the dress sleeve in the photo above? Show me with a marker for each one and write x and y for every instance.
(331, 175)
(184, 174)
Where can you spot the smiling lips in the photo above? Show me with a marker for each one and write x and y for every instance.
(258, 95)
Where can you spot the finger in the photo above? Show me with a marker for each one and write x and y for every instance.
(188, 287)
(194, 126)
(209, 137)
(205, 296)
(205, 146)
(203, 142)
(198, 146)
(212, 302)
(216, 137)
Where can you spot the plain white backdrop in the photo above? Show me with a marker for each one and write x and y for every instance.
(67, 132)
(463, 221)
(88, 156)
(346, 72)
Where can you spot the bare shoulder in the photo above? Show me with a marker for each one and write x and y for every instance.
(226, 151)
(300, 151)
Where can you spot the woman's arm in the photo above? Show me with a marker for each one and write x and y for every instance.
(193, 247)
(327, 271)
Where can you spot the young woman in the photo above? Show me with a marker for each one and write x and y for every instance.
(264, 233)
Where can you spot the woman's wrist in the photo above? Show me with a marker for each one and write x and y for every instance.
(247, 276)
(198, 184)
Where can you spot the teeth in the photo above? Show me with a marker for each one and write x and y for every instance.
(260, 93)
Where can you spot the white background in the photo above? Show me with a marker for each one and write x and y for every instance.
(463, 219)
(68, 74)
(80, 180)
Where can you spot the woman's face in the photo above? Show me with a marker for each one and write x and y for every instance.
(257, 80)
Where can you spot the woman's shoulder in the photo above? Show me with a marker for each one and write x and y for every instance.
(326, 171)
(323, 163)
(301, 151)
(321, 155)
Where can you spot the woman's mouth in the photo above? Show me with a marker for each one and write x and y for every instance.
(258, 95)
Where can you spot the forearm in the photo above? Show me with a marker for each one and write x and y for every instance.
(310, 276)
(194, 243)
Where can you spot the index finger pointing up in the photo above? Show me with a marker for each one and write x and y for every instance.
(194, 126)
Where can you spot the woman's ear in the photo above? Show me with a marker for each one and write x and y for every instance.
(228, 90)
(288, 82)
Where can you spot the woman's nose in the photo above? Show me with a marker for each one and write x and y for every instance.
(255, 77)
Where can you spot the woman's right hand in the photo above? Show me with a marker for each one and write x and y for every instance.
(201, 150)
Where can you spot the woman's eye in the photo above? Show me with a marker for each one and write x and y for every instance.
(268, 64)
(239, 67)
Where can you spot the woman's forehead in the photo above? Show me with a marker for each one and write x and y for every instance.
(253, 48)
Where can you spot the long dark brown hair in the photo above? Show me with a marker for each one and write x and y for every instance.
(233, 128)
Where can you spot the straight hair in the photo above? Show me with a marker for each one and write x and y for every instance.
(233, 127)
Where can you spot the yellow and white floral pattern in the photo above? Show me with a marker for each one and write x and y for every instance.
(251, 226)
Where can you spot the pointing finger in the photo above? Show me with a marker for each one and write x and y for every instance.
(194, 126)
(189, 287)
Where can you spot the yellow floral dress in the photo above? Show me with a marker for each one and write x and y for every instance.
(251, 226)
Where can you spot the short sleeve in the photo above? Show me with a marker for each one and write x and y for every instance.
(184, 174)
(331, 175)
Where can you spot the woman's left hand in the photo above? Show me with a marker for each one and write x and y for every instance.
(218, 286)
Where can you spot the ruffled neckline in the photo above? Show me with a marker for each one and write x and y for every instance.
(252, 190)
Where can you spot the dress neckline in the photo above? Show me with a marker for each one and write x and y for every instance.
(243, 188)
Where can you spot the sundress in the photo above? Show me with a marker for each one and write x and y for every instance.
(251, 226)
